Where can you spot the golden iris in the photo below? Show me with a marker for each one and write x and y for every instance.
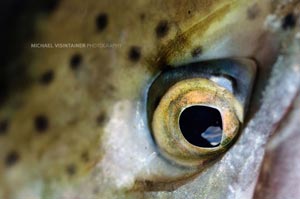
(182, 95)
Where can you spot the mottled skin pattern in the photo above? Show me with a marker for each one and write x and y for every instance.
(53, 132)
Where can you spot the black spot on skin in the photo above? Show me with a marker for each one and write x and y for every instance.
(75, 61)
(197, 51)
(289, 21)
(11, 158)
(189, 12)
(47, 77)
(142, 16)
(71, 169)
(101, 119)
(101, 21)
(4, 125)
(85, 156)
(41, 123)
(134, 53)
(162, 29)
(253, 12)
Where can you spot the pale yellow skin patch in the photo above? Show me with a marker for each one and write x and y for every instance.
(79, 104)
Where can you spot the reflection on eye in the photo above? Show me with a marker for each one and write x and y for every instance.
(195, 111)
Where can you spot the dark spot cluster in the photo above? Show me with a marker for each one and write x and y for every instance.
(41, 123)
(289, 21)
(4, 124)
(101, 21)
(11, 158)
(75, 61)
(47, 77)
(134, 53)
(162, 29)
(197, 51)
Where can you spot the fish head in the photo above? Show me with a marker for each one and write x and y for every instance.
(80, 126)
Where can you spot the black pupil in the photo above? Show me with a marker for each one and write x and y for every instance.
(201, 126)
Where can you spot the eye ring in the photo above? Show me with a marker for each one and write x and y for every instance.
(186, 93)
(226, 84)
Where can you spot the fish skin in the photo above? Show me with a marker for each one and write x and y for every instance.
(81, 153)
(279, 170)
(279, 174)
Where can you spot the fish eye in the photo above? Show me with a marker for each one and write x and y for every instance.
(195, 111)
